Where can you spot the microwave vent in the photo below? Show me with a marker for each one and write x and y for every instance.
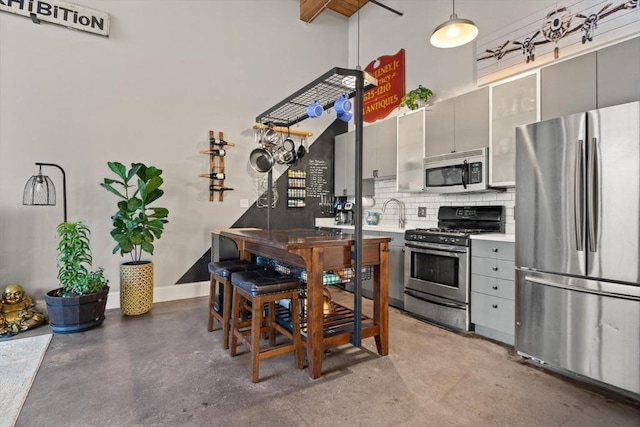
(458, 155)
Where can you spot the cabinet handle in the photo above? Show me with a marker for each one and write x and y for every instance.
(494, 287)
(494, 305)
(494, 268)
(494, 250)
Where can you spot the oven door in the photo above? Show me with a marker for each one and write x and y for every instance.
(440, 270)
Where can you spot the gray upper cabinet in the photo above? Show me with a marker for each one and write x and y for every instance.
(568, 87)
(345, 160)
(410, 147)
(471, 125)
(440, 128)
(598, 79)
(513, 103)
(343, 181)
(458, 124)
(619, 73)
(380, 149)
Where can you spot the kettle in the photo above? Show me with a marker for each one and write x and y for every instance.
(373, 218)
(327, 303)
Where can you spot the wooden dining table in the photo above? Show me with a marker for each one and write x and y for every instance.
(318, 251)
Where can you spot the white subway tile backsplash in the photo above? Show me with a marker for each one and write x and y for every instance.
(386, 189)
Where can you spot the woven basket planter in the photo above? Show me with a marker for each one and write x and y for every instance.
(136, 287)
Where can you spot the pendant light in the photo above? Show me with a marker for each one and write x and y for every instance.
(454, 32)
(40, 191)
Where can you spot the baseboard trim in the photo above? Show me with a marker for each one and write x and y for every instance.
(167, 293)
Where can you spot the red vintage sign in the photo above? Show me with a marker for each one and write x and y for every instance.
(381, 100)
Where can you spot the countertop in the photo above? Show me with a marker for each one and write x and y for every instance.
(330, 223)
(496, 237)
(296, 238)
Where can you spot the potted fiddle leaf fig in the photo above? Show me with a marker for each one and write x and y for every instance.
(416, 98)
(136, 226)
(80, 303)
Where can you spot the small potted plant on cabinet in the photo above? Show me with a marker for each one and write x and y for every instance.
(416, 98)
(80, 303)
(135, 227)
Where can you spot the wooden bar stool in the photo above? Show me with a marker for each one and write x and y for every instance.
(260, 287)
(220, 273)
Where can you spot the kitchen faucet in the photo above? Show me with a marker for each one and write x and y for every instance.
(401, 219)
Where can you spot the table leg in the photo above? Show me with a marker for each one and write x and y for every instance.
(315, 318)
(381, 300)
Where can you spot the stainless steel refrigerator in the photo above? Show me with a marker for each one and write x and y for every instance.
(578, 245)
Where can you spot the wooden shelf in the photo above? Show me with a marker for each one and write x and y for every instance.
(338, 326)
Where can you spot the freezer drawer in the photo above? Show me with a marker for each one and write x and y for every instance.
(587, 327)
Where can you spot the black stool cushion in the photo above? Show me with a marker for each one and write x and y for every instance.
(225, 268)
(265, 281)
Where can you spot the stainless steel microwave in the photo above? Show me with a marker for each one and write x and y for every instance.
(461, 172)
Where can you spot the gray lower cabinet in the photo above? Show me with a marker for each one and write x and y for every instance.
(396, 270)
(493, 289)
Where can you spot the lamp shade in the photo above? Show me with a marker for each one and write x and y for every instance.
(39, 190)
(454, 32)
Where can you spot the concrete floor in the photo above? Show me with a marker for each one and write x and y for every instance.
(163, 368)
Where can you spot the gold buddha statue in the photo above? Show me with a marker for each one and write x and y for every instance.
(17, 311)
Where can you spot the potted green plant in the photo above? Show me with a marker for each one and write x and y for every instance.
(80, 303)
(136, 226)
(416, 98)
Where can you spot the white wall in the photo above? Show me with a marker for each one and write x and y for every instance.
(170, 72)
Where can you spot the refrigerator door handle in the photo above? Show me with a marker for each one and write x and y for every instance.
(591, 193)
(578, 194)
(580, 289)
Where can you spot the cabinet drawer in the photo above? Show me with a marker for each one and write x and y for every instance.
(493, 312)
(492, 286)
(493, 249)
(493, 268)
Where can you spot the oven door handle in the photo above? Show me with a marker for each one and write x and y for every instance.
(431, 247)
(432, 299)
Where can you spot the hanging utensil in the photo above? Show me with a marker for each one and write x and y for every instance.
(261, 160)
(302, 149)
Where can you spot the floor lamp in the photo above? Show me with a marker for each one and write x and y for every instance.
(40, 191)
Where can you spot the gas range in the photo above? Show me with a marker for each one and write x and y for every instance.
(457, 223)
(438, 266)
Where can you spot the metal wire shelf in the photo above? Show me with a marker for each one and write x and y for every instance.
(325, 89)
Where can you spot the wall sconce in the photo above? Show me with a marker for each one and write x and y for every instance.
(40, 191)
(454, 32)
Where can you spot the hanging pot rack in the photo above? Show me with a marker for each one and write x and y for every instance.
(325, 89)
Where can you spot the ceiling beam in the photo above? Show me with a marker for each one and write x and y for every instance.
(310, 9)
